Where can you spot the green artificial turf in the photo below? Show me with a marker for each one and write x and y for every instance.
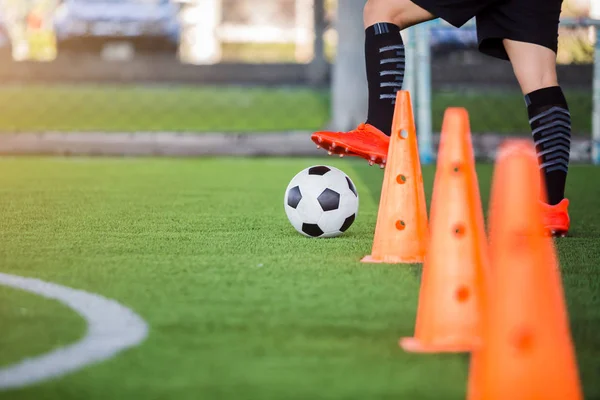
(35, 108)
(239, 305)
(160, 108)
(48, 324)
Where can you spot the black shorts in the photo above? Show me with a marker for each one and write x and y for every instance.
(531, 21)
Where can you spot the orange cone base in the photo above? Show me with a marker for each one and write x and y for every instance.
(450, 345)
(392, 260)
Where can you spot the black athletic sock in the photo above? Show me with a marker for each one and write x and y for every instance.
(550, 122)
(385, 61)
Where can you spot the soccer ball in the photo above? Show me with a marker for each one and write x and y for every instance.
(321, 201)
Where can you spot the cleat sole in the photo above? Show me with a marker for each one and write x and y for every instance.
(334, 148)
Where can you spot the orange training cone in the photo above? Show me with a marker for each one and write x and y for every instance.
(455, 269)
(527, 351)
(401, 230)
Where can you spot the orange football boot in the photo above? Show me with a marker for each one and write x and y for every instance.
(366, 141)
(556, 218)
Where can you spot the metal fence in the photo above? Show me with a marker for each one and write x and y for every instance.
(206, 66)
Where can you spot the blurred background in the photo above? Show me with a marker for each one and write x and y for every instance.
(246, 66)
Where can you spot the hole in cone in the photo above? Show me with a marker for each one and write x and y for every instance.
(523, 339)
(462, 294)
(400, 225)
(521, 239)
(459, 230)
(456, 168)
(401, 179)
(403, 133)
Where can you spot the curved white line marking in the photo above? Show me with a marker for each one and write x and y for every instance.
(111, 328)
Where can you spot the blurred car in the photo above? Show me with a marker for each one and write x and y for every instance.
(147, 24)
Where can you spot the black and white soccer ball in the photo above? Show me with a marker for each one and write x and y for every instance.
(321, 201)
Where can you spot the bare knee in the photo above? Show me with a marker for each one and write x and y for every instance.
(376, 11)
(403, 13)
(533, 65)
(532, 79)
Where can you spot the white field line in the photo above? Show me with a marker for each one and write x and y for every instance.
(111, 328)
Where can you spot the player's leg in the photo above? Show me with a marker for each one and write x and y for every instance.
(535, 69)
(385, 56)
(402, 13)
(526, 33)
(534, 65)
(550, 120)
(385, 61)
(385, 65)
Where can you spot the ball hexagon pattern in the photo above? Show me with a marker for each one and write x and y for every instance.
(329, 200)
(321, 201)
(294, 197)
